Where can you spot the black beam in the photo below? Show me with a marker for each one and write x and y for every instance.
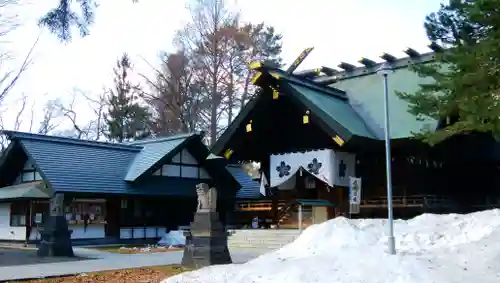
(326, 80)
(388, 57)
(367, 62)
(412, 52)
(435, 47)
(308, 73)
(346, 66)
(329, 71)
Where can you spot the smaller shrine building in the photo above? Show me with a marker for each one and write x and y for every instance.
(112, 192)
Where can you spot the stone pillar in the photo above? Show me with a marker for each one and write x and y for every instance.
(56, 237)
(206, 241)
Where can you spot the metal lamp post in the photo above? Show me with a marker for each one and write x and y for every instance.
(385, 70)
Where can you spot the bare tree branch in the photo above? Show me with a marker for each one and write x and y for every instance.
(92, 129)
(97, 125)
(47, 124)
(7, 81)
(69, 112)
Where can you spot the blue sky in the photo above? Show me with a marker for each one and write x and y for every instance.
(340, 30)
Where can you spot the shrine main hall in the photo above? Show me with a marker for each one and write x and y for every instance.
(316, 132)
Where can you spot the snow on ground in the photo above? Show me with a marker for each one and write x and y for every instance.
(431, 248)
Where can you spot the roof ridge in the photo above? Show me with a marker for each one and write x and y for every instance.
(328, 90)
(395, 63)
(162, 139)
(68, 140)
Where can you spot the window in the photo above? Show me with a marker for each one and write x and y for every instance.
(28, 174)
(18, 212)
(78, 209)
(171, 170)
(40, 211)
(189, 172)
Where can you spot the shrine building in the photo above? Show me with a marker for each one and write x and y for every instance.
(315, 130)
(112, 192)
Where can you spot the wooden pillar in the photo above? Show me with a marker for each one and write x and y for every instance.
(113, 210)
(300, 217)
(28, 219)
(274, 208)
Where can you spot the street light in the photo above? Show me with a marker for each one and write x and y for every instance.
(385, 70)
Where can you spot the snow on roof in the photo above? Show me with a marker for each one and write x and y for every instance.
(431, 248)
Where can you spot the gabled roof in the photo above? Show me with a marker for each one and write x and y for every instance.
(337, 113)
(366, 94)
(364, 88)
(153, 152)
(250, 189)
(353, 104)
(32, 190)
(70, 165)
(331, 105)
(78, 165)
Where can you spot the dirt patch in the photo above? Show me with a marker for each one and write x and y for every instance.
(153, 274)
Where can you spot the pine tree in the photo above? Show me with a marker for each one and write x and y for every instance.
(64, 17)
(126, 118)
(464, 96)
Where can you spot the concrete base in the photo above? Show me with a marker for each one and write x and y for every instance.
(56, 238)
(206, 242)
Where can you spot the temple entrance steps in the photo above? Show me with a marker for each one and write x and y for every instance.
(261, 240)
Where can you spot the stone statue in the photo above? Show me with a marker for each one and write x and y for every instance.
(57, 205)
(207, 198)
(206, 239)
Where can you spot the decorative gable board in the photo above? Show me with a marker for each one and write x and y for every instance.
(183, 165)
(28, 174)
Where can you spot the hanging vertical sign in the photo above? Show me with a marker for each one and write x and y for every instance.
(354, 195)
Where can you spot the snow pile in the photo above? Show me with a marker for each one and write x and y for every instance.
(173, 238)
(431, 248)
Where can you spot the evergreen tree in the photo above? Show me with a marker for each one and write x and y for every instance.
(126, 118)
(464, 96)
(61, 19)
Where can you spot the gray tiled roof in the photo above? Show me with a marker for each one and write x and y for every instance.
(250, 189)
(97, 167)
(153, 150)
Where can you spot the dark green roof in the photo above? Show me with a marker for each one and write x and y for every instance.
(337, 113)
(352, 106)
(331, 105)
(366, 96)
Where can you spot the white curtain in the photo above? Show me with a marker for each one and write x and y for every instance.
(345, 168)
(320, 163)
(263, 184)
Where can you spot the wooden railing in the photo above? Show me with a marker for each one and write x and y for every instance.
(258, 206)
(407, 201)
